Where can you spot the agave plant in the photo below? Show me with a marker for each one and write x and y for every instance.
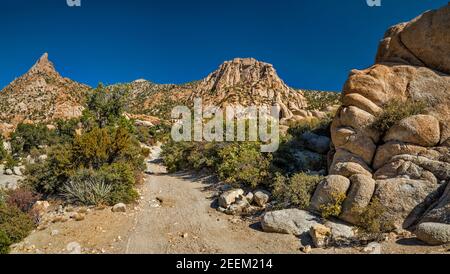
(86, 190)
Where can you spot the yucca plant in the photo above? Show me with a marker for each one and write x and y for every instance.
(86, 190)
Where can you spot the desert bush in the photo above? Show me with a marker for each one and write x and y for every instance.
(152, 135)
(21, 198)
(10, 162)
(373, 220)
(106, 146)
(397, 110)
(2, 197)
(104, 107)
(296, 191)
(27, 137)
(46, 177)
(334, 208)
(174, 155)
(314, 125)
(14, 226)
(3, 152)
(243, 163)
(319, 100)
(66, 130)
(122, 178)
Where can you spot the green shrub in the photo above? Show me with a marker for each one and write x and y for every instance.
(66, 130)
(319, 100)
(46, 177)
(373, 220)
(10, 162)
(243, 163)
(334, 208)
(104, 107)
(295, 191)
(122, 179)
(14, 227)
(314, 125)
(3, 152)
(397, 110)
(175, 155)
(26, 137)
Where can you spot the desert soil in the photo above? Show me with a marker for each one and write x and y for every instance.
(176, 215)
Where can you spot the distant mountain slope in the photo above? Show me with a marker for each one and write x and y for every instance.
(40, 95)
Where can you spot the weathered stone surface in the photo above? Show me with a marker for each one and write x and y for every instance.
(422, 130)
(361, 191)
(316, 143)
(289, 221)
(439, 169)
(238, 207)
(359, 120)
(385, 152)
(361, 102)
(261, 198)
(425, 41)
(412, 155)
(440, 211)
(347, 164)
(321, 235)
(327, 190)
(229, 197)
(121, 207)
(399, 168)
(405, 200)
(306, 160)
(74, 248)
(433, 233)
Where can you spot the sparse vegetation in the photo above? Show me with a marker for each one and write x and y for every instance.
(3, 152)
(397, 110)
(295, 191)
(15, 225)
(28, 136)
(373, 219)
(314, 125)
(319, 100)
(334, 208)
(101, 165)
(243, 163)
(10, 162)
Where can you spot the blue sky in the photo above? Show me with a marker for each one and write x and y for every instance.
(312, 44)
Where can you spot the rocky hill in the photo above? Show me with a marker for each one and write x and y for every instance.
(392, 134)
(245, 82)
(240, 82)
(40, 95)
(148, 98)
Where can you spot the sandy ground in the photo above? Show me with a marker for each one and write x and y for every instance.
(176, 215)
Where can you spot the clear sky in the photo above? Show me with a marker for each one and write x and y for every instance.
(312, 43)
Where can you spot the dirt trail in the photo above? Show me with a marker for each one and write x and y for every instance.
(177, 217)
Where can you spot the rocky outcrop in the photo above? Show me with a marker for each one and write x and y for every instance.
(405, 166)
(305, 225)
(248, 82)
(40, 95)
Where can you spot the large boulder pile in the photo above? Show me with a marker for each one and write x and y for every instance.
(407, 167)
